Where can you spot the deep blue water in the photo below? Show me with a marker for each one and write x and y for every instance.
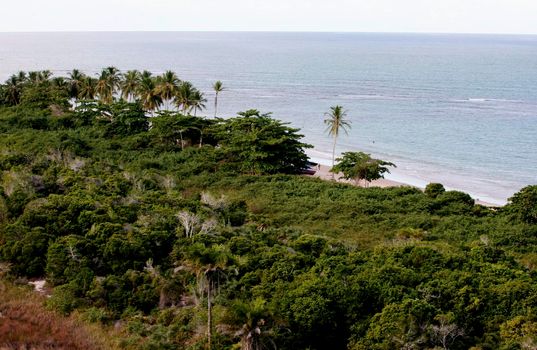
(456, 109)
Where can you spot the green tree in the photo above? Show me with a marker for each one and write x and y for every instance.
(258, 144)
(337, 122)
(360, 166)
(524, 204)
(433, 190)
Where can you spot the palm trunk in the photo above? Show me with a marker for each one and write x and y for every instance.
(209, 318)
(215, 104)
(334, 156)
(182, 143)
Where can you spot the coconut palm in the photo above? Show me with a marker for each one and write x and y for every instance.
(185, 96)
(60, 83)
(209, 264)
(335, 119)
(218, 87)
(167, 86)
(108, 83)
(198, 101)
(13, 90)
(75, 81)
(129, 85)
(37, 77)
(148, 94)
(252, 318)
(88, 88)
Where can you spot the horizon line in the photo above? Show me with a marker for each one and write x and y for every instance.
(266, 31)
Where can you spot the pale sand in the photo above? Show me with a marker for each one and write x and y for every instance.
(325, 174)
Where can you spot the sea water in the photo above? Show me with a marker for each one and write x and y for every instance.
(455, 109)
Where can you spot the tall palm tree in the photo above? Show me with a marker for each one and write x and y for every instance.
(88, 88)
(108, 84)
(148, 95)
(218, 87)
(209, 264)
(335, 119)
(167, 86)
(129, 85)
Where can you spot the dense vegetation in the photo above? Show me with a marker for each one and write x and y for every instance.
(186, 232)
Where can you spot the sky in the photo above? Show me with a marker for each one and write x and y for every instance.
(416, 16)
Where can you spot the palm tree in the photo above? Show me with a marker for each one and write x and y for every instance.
(185, 96)
(209, 263)
(60, 83)
(129, 85)
(198, 101)
(37, 77)
(108, 84)
(75, 81)
(336, 121)
(88, 88)
(251, 318)
(13, 90)
(167, 86)
(147, 92)
(218, 87)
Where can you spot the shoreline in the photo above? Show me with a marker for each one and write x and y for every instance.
(323, 173)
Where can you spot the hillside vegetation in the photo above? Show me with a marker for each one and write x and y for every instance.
(184, 232)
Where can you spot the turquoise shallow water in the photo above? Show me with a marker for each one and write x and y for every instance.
(456, 109)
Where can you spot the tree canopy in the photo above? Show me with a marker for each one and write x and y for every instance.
(359, 166)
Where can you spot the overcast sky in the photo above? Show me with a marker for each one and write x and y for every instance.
(447, 16)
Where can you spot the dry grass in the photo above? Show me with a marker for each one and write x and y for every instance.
(25, 324)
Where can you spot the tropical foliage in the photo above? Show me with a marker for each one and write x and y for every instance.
(181, 232)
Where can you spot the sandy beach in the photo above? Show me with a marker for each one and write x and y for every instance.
(324, 173)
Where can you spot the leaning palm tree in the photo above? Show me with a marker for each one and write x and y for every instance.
(198, 101)
(167, 86)
(335, 119)
(148, 94)
(129, 85)
(218, 87)
(185, 96)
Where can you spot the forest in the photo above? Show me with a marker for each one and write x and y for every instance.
(167, 230)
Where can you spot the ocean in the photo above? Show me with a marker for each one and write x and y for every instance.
(456, 109)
